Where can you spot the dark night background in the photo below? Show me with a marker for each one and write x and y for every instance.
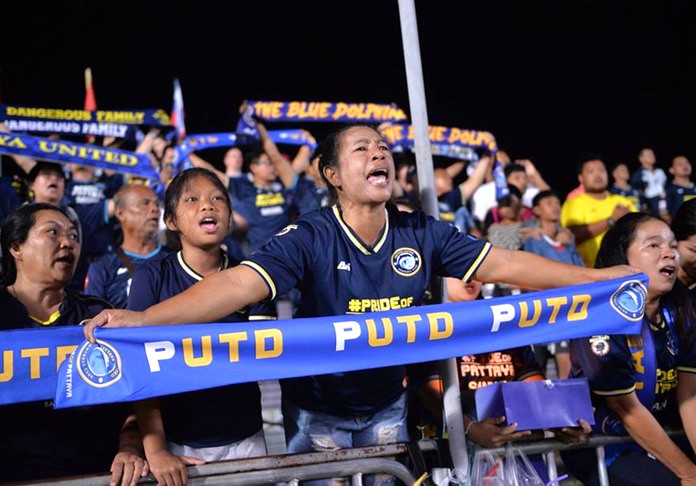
(551, 80)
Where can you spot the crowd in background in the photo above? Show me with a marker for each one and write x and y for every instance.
(120, 250)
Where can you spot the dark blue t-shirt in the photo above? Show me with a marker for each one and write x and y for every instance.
(109, 278)
(337, 273)
(266, 208)
(202, 418)
(676, 195)
(40, 442)
(620, 364)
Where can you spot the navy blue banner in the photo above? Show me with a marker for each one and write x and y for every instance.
(137, 363)
(201, 142)
(316, 111)
(151, 117)
(63, 151)
(295, 136)
(194, 143)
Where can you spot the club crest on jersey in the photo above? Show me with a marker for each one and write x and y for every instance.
(406, 261)
(600, 345)
(629, 300)
(98, 364)
(286, 230)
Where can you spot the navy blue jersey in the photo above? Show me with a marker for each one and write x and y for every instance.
(620, 364)
(89, 198)
(336, 273)
(98, 238)
(448, 203)
(307, 196)
(676, 194)
(203, 418)
(91, 192)
(233, 248)
(40, 442)
(109, 278)
(647, 364)
(73, 310)
(266, 208)
(631, 193)
(692, 294)
(10, 198)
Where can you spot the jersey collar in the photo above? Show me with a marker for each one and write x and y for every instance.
(355, 239)
(180, 258)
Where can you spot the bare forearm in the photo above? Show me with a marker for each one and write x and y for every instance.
(25, 163)
(151, 426)
(686, 397)
(649, 434)
(301, 160)
(539, 182)
(213, 298)
(198, 161)
(585, 232)
(129, 439)
(469, 186)
(284, 169)
(527, 270)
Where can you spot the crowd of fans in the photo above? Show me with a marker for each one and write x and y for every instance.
(115, 247)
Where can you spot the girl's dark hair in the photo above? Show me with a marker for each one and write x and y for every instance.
(15, 231)
(328, 157)
(614, 251)
(179, 184)
(684, 222)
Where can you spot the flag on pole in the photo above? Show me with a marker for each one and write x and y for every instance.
(90, 99)
(177, 115)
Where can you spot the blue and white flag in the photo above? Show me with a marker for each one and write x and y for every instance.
(177, 115)
(137, 363)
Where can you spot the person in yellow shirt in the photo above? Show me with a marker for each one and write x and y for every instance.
(589, 215)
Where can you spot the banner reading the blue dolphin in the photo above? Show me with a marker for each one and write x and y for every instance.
(30, 361)
(318, 111)
(63, 151)
(119, 124)
(442, 137)
(137, 363)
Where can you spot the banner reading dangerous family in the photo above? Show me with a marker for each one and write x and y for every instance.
(119, 124)
(137, 363)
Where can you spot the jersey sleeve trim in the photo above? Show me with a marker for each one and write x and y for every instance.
(613, 393)
(477, 262)
(686, 369)
(260, 317)
(264, 275)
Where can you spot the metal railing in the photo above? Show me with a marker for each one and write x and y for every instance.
(353, 463)
(598, 442)
(282, 468)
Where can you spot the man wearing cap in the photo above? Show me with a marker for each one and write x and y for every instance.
(46, 181)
